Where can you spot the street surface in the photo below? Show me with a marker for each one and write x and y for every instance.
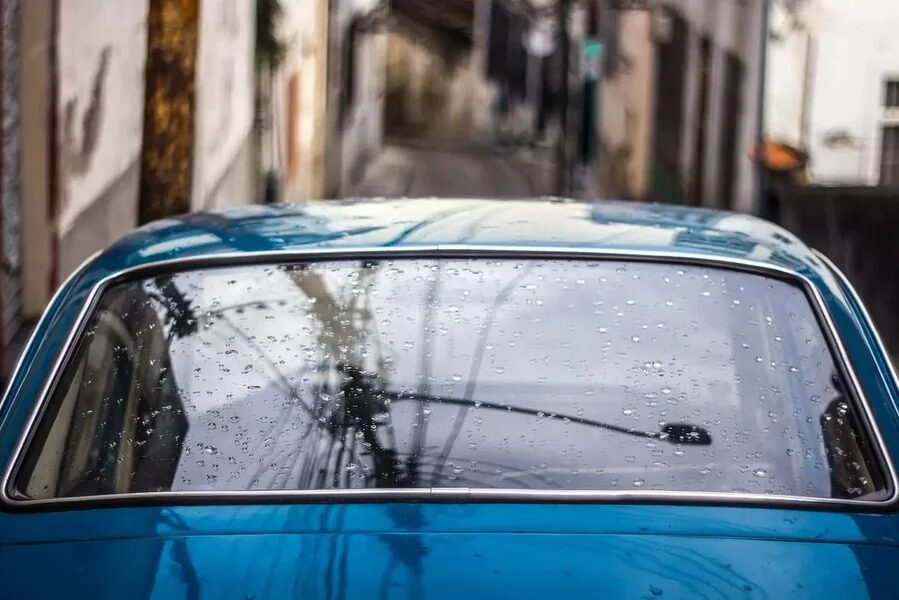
(469, 170)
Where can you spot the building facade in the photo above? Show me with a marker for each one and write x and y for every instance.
(833, 88)
(704, 61)
(356, 88)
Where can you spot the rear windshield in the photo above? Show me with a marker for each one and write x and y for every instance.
(453, 373)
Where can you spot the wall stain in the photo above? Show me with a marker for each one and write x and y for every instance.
(78, 156)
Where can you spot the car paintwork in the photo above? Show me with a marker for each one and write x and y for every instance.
(446, 550)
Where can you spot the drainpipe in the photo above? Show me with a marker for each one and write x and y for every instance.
(561, 182)
(761, 154)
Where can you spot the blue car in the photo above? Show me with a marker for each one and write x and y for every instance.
(452, 398)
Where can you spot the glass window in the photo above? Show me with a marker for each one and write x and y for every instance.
(475, 373)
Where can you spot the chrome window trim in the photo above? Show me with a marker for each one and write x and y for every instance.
(819, 306)
(40, 323)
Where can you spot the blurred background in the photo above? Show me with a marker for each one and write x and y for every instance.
(120, 112)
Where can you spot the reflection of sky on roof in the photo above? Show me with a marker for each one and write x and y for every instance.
(634, 345)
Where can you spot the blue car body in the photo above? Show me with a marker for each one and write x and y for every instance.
(449, 549)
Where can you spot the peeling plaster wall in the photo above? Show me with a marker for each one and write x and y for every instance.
(101, 54)
(224, 105)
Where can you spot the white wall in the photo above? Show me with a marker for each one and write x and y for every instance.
(224, 103)
(101, 100)
(847, 51)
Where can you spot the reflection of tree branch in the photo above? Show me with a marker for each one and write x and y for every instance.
(420, 432)
(344, 339)
(290, 390)
(360, 408)
(287, 387)
(477, 359)
(495, 465)
(178, 310)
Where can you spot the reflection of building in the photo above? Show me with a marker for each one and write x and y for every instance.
(120, 422)
(833, 87)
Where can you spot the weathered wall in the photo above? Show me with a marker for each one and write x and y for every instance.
(735, 28)
(356, 133)
(829, 61)
(856, 228)
(432, 88)
(627, 109)
(224, 105)
(101, 52)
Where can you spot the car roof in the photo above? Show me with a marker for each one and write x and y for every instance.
(416, 223)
